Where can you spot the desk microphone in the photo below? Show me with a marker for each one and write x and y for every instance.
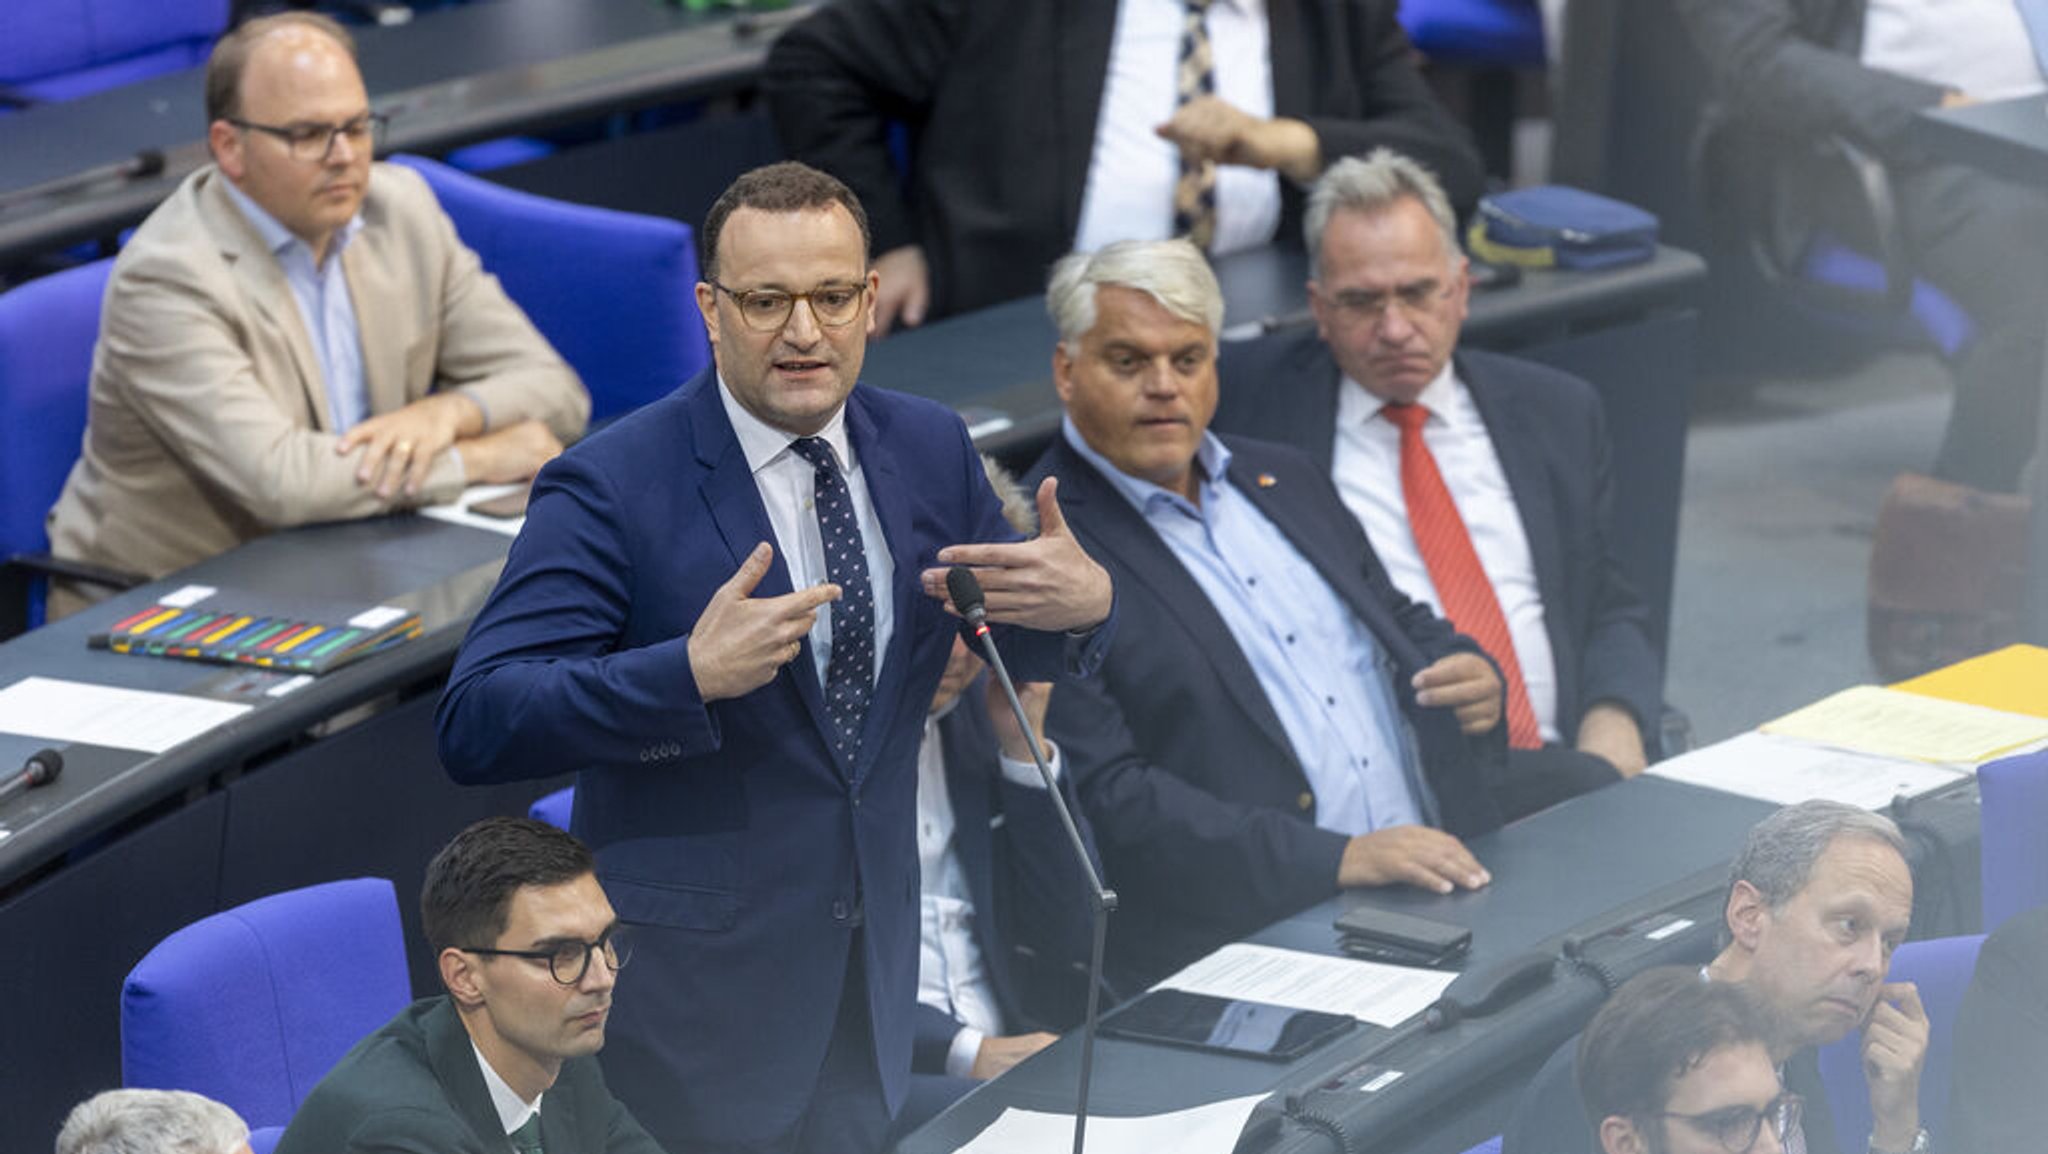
(966, 594)
(41, 768)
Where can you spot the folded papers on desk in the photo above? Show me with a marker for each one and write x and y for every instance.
(1210, 1129)
(2014, 679)
(1911, 726)
(79, 712)
(1787, 772)
(461, 511)
(1381, 994)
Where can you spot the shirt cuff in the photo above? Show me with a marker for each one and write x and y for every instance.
(1025, 773)
(961, 1054)
(474, 398)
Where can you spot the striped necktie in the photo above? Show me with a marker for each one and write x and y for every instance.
(1194, 194)
(1461, 582)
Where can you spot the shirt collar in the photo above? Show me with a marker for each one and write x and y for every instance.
(763, 443)
(1356, 406)
(276, 237)
(513, 1111)
(1212, 461)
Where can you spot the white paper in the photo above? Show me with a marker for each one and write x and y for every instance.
(289, 685)
(54, 710)
(1378, 993)
(1210, 1129)
(1780, 770)
(187, 597)
(458, 512)
(377, 618)
(1896, 723)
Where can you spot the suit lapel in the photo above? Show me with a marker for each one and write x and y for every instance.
(453, 1058)
(866, 432)
(264, 286)
(1290, 74)
(1122, 535)
(734, 502)
(1507, 426)
(374, 293)
(1083, 63)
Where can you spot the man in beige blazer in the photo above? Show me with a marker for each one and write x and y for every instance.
(297, 335)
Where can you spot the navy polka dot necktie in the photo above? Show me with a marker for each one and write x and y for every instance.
(850, 675)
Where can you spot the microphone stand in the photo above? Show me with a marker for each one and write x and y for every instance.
(1103, 900)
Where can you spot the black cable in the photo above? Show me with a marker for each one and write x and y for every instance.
(1575, 953)
(1321, 1123)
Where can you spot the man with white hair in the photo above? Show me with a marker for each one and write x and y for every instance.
(152, 1122)
(1275, 720)
(1482, 480)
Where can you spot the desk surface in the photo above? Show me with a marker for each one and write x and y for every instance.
(442, 571)
(1568, 869)
(451, 77)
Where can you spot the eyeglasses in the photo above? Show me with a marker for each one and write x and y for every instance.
(314, 143)
(1371, 307)
(569, 961)
(1736, 1127)
(767, 310)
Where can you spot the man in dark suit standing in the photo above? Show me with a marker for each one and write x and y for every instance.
(529, 950)
(1491, 504)
(1040, 126)
(2001, 1042)
(748, 762)
(1274, 720)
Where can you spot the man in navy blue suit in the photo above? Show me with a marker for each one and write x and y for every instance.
(1274, 720)
(1508, 465)
(748, 761)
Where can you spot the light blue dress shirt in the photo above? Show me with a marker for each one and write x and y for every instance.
(325, 306)
(1322, 670)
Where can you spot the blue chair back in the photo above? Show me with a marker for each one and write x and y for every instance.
(61, 49)
(1496, 33)
(47, 330)
(252, 1006)
(1941, 969)
(614, 292)
(555, 808)
(2015, 816)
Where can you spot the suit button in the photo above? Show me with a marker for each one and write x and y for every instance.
(838, 911)
(1306, 801)
(643, 756)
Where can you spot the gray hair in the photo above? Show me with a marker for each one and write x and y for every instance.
(1172, 272)
(1018, 508)
(1779, 856)
(151, 1122)
(1375, 184)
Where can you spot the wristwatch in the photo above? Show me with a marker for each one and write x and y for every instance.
(1922, 1144)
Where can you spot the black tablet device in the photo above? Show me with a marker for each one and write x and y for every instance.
(1205, 1022)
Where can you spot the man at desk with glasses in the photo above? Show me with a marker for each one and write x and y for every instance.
(529, 950)
(297, 335)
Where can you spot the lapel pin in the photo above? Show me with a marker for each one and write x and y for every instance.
(1267, 480)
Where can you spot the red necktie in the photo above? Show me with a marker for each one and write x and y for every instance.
(1461, 582)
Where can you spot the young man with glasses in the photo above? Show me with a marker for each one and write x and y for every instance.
(1675, 1065)
(728, 608)
(1482, 480)
(297, 334)
(529, 950)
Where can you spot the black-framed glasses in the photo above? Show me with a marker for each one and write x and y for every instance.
(314, 143)
(1736, 1127)
(1414, 299)
(569, 961)
(767, 310)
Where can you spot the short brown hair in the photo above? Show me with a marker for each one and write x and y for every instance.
(786, 186)
(1655, 1029)
(231, 56)
(467, 898)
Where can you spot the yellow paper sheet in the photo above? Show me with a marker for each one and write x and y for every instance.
(2014, 679)
(1893, 723)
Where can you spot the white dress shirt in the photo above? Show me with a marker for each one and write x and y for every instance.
(1366, 464)
(787, 484)
(513, 1111)
(326, 309)
(951, 977)
(1133, 170)
(1980, 47)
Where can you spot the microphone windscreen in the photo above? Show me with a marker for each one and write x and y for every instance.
(44, 765)
(964, 590)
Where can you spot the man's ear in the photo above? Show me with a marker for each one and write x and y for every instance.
(224, 141)
(707, 304)
(1747, 915)
(460, 974)
(1062, 371)
(1618, 1135)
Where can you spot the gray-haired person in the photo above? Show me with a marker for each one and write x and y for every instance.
(152, 1122)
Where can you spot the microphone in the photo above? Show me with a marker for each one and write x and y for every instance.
(965, 592)
(41, 768)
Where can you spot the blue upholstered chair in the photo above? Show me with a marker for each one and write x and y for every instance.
(2015, 809)
(1486, 33)
(253, 1005)
(555, 808)
(61, 49)
(47, 330)
(1941, 969)
(614, 292)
